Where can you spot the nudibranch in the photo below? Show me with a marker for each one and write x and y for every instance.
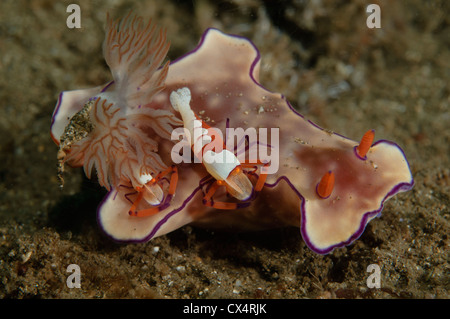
(326, 184)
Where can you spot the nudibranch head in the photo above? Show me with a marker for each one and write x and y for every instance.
(328, 185)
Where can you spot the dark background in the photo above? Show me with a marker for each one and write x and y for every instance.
(323, 58)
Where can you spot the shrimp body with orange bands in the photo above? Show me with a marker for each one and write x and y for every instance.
(222, 164)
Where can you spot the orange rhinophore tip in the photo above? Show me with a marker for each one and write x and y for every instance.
(326, 185)
(365, 144)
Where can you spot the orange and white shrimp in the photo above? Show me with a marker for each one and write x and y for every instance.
(220, 163)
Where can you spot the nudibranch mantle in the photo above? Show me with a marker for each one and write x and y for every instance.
(222, 75)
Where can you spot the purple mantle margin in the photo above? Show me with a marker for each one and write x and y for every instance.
(397, 188)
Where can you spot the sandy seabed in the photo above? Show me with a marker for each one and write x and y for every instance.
(320, 54)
